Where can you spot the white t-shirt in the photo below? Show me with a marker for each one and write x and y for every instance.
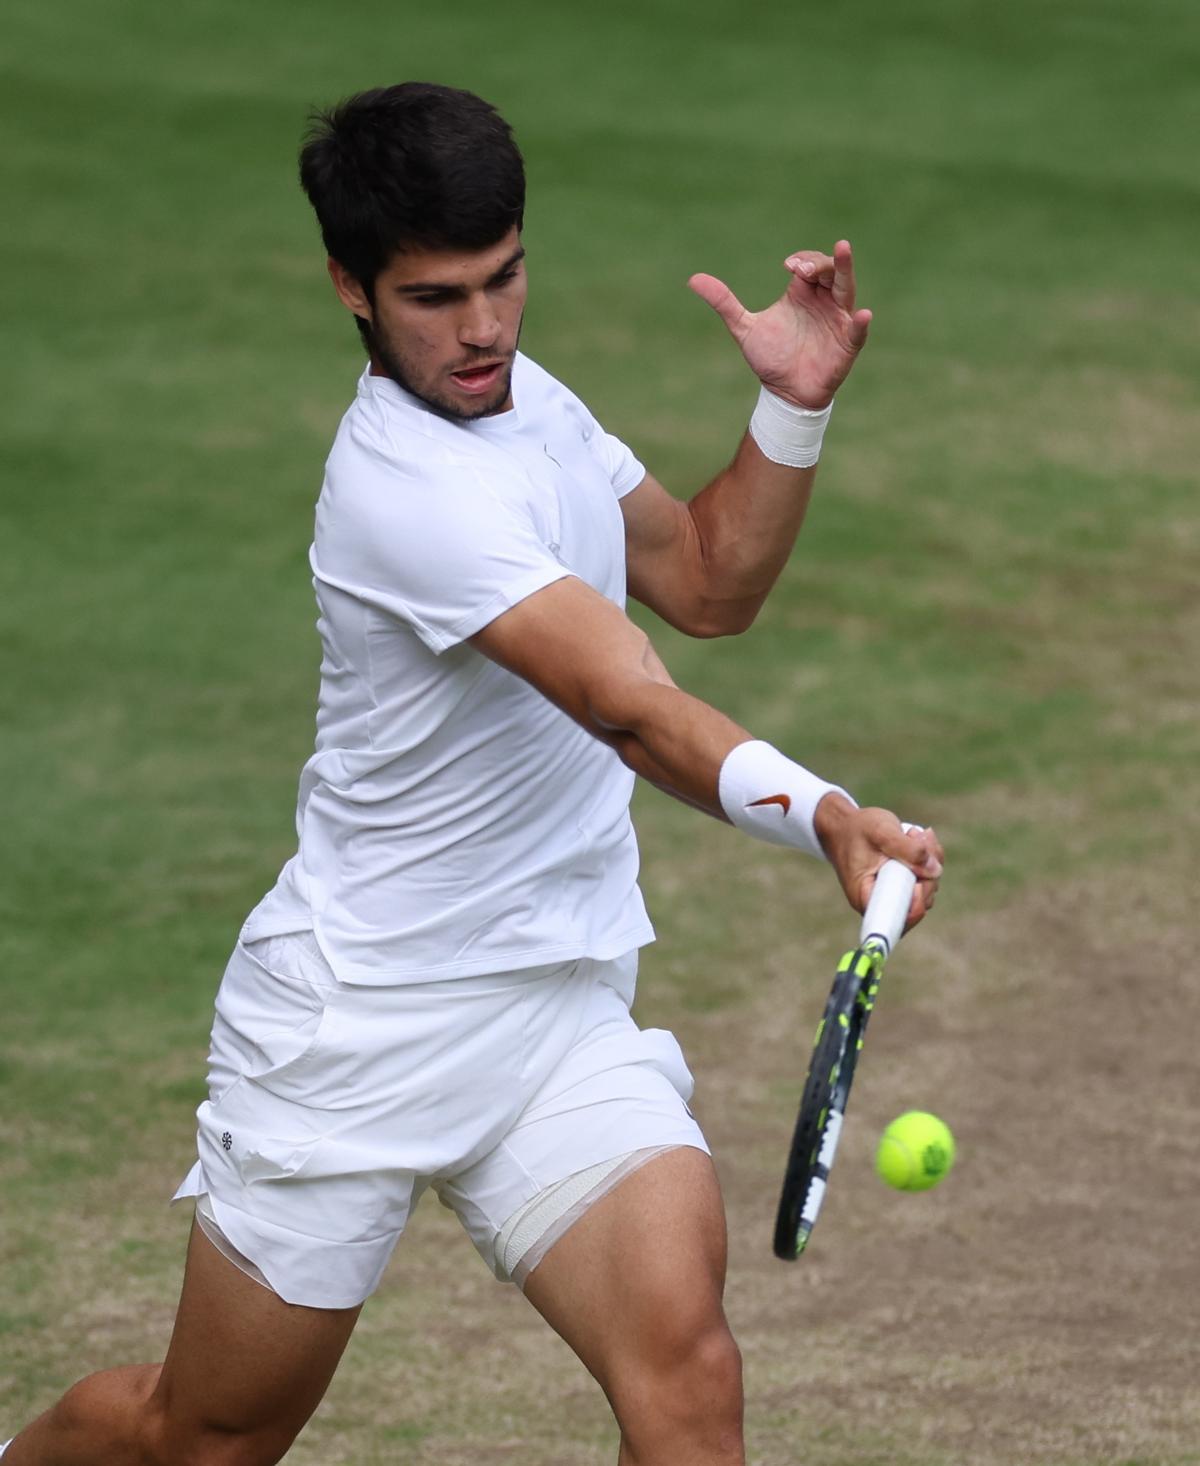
(452, 821)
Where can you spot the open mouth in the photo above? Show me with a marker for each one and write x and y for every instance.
(479, 379)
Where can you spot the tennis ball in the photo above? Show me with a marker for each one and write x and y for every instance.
(915, 1152)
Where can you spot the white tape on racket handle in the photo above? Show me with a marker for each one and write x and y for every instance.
(887, 909)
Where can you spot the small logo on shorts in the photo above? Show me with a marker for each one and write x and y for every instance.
(227, 1141)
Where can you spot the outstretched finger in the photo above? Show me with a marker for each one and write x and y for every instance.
(843, 275)
(811, 266)
(717, 294)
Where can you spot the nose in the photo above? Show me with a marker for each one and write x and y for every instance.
(480, 325)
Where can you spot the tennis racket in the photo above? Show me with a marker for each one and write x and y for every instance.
(835, 1053)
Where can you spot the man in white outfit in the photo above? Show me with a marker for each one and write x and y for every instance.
(436, 993)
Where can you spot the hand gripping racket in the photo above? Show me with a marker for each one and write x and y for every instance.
(835, 1054)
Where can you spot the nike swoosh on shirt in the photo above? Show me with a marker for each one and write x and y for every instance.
(782, 800)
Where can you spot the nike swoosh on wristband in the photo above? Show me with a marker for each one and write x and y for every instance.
(784, 801)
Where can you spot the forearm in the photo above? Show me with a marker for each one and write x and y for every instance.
(581, 652)
(590, 660)
(677, 743)
(699, 756)
(696, 754)
(746, 522)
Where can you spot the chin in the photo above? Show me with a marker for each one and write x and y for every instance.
(467, 409)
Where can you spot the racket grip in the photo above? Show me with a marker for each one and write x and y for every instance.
(887, 909)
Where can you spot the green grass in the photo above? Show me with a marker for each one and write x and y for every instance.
(990, 621)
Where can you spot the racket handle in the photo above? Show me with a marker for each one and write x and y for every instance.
(887, 909)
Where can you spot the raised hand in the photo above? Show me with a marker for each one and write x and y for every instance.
(804, 345)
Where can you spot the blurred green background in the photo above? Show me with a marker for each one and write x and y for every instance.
(990, 622)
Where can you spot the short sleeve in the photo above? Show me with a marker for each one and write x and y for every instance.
(617, 462)
(443, 549)
(623, 467)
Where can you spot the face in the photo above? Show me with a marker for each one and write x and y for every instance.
(444, 324)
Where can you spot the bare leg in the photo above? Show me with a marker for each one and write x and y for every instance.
(635, 1288)
(243, 1373)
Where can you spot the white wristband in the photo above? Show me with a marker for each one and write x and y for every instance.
(767, 795)
(786, 433)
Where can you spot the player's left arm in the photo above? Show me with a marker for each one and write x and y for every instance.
(707, 565)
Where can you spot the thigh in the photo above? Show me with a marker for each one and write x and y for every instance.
(637, 1282)
(242, 1362)
(603, 1091)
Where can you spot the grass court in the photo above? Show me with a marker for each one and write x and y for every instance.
(991, 623)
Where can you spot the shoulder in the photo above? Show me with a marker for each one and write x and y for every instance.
(400, 496)
(541, 395)
(393, 456)
(566, 419)
(385, 429)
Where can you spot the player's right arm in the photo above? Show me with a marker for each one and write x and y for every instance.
(584, 654)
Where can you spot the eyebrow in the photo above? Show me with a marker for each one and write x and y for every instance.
(441, 287)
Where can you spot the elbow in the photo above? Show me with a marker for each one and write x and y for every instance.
(711, 619)
(726, 626)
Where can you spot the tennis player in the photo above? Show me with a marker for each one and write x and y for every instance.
(436, 994)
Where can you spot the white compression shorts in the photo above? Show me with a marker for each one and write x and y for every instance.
(332, 1108)
(534, 1228)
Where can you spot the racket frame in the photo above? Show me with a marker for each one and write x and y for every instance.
(836, 1047)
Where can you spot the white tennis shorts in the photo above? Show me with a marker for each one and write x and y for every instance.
(333, 1107)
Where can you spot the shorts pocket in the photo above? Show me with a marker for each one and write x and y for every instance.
(661, 1050)
(273, 1021)
(246, 1138)
(620, 974)
(267, 1160)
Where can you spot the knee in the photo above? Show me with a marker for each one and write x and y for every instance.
(685, 1386)
(108, 1411)
(169, 1441)
(124, 1416)
(713, 1375)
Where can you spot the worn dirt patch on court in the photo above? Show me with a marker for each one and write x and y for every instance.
(1038, 1307)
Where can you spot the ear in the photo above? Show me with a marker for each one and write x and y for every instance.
(349, 291)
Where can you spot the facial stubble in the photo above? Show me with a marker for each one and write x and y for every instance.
(391, 363)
